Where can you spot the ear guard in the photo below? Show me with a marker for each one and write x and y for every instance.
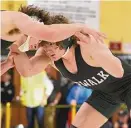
(67, 43)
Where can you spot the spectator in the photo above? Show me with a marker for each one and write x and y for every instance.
(54, 76)
(62, 113)
(34, 93)
(123, 118)
(58, 97)
(7, 93)
(78, 94)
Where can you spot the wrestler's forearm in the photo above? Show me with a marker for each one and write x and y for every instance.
(51, 33)
(63, 31)
(5, 66)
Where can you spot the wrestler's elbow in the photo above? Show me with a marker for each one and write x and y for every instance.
(114, 68)
(119, 69)
(119, 73)
(116, 72)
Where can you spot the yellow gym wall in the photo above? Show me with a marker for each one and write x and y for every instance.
(12, 4)
(115, 20)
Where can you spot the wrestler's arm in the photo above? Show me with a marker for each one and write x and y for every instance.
(29, 67)
(103, 57)
(52, 33)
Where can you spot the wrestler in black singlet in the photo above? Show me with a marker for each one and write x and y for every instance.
(108, 92)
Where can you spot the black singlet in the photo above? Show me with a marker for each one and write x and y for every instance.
(95, 78)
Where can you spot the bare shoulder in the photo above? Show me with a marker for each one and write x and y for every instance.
(7, 22)
(87, 49)
(93, 49)
(9, 15)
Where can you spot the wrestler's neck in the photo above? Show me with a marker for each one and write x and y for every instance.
(69, 55)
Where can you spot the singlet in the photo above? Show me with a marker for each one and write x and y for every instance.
(95, 78)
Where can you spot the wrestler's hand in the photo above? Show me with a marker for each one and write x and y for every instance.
(85, 39)
(88, 31)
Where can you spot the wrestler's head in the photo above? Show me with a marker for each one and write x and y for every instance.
(59, 49)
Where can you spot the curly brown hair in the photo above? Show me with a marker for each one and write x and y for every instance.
(33, 11)
(59, 19)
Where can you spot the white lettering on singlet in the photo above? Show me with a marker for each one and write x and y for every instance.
(104, 76)
(98, 81)
(101, 77)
